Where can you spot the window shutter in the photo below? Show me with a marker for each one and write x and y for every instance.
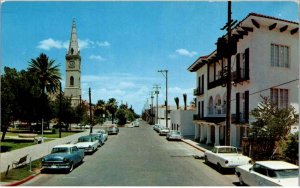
(238, 66)
(246, 115)
(202, 107)
(202, 83)
(247, 76)
(237, 108)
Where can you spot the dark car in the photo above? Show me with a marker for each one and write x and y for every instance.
(63, 157)
(113, 130)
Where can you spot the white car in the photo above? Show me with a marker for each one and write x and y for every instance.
(174, 135)
(88, 143)
(104, 132)
(226, 157)
(268, 173)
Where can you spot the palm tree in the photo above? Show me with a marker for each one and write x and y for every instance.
(177, 102)
(184, 100)
(47, 75)
(112, 107)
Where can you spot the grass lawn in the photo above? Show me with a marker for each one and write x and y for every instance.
(10, 144)
(21, 172)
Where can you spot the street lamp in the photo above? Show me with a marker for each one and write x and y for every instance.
(156, 92)
(166, 76)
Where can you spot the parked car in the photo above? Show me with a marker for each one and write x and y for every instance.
(99, 137)
(113, 130)
(164, 131)
(174, 135)
(131, 125)
(104, 132)
(88, 143)
(155, 127)
(63, 157)
(136, 124)
(268, 173)
(225, 157)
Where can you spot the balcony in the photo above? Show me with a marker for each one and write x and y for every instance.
(196, 117)
(198, 91)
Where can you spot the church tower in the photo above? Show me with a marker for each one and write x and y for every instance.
(73, 71)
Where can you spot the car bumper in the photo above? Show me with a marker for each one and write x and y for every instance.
(174, 138)
(56, 166)
(87, 150)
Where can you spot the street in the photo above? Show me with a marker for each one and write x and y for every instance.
(139, 157)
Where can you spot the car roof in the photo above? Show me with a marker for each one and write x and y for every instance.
(64, 145)
(277, 165)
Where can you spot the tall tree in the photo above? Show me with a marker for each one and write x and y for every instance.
(176, 99)
(47, 76)
(100, 111)
(185, 100)
(272, 125)
(112, 108)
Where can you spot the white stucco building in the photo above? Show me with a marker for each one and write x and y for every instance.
(182, 120)
(161, 117)
(265, 63)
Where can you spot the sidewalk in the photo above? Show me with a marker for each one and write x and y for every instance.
(36, 151)
(201, 147)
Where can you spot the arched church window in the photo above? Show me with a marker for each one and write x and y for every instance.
(71, 81)
(72, 51)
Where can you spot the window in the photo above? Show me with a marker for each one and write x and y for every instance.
(280, 97)
(71, 81)
(279, 56)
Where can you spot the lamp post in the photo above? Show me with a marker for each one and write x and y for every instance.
(91, 119)
(165, 74)
(151, 110)
(60, 109)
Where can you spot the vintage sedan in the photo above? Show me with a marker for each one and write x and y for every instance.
(99, 137)
(113, 130)
(164, 131)
(225, 157)
(104, 132)
(174, 135)
(63, 157)
(268, 173)
(88, 143)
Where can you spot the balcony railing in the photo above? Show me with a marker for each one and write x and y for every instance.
(198, 91)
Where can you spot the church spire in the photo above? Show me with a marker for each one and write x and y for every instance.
(73, 46)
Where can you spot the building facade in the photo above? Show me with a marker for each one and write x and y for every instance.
(265, 62)
(73, 69)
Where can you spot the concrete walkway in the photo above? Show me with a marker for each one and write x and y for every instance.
(36, 151)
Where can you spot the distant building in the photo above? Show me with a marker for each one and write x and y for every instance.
(265, 63)
(73, 69)
(182, 120)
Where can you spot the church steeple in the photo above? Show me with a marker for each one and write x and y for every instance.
(73, 46)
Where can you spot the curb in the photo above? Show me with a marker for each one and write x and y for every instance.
(199, 148)
(23, 180)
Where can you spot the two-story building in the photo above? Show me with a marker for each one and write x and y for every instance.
(264, 62)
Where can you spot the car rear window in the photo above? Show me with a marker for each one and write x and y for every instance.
(60, 150)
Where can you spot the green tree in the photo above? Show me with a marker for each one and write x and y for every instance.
(121, 116)
(272, 125)
(8, 80)
(185, 100)
(291, 148)
(112, 108)
(100, 111)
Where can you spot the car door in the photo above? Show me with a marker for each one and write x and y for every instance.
(75, 154)
(260, 175)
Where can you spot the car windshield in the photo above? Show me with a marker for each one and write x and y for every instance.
(227, 150)
(60, 150)
(288, 173)
(84, 139)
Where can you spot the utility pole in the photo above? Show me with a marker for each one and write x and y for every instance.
(60, 109)
(151, 109)
(228, 81)
(91, 119)
(156, 87)
(166, 76)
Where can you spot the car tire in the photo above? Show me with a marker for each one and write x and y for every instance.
(220, 168)
(71, 167)
(206, 160)
(241, 181)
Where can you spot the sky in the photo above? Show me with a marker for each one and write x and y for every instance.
(124, 44)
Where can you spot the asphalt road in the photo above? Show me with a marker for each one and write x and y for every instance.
(139, 157)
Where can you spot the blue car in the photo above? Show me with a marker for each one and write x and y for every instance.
(63, 157)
